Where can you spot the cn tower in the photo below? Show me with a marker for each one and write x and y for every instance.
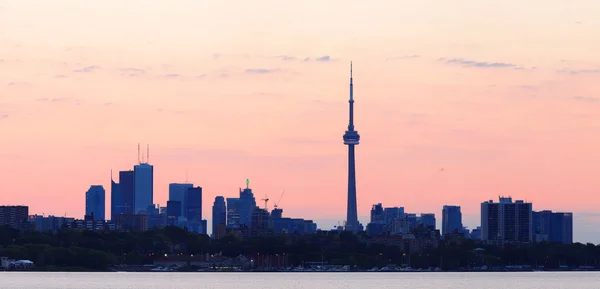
(351, 139)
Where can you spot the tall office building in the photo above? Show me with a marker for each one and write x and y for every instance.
(428, 221)
(116, 198)
(193, 204)
(95, 203)
(143, 187)
(127, 191)
(506, 222)
(553, 227)
(239, 210)
(451, 220)
(351, 139)
(393, 213)
(219, 214)
(177, 193)
(14, 216)
(377, 215)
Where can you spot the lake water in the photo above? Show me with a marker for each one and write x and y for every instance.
(534, 280)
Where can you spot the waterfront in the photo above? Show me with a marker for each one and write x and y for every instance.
(532, 280)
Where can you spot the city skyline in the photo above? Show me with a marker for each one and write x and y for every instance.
(502, 110)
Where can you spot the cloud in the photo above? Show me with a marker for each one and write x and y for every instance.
(480, 64)
(87, 69)
(201, 76)
(3, 116)
(578, 71)
(59, 100)
(324, 58)
(287, 58)
(172, 75)
(18, 83)
(586, 98)
(262, 70)
(403, 57)
(61, 76)
(131, 71)
(526, 86)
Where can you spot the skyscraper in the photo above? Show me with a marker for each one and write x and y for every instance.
(143, 187)
(553, 227)
(177, 193)
(506, 222)
(219, 214)
(14, 216)
(127, 191)
(116, 198)
(451, 220)
(351, 139)
(193, 204)
(95, 203)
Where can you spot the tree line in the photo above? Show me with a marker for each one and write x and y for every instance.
(70, 249)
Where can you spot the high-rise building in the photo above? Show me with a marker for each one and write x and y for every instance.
(127, 191)
(428, 221)
(506, 222)
(351, 139)
(377, 215)
(143, 187)
(239, 210)
(451, 220)
(553, 227)
(177, 193)
(219, 214)
(116, 198)
(394, 213)
(95, 203)
(193, 204)
(14, 216)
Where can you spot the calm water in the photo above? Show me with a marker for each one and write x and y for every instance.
(545, 280)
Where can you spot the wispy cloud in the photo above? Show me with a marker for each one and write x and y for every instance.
(586, 98)
(19, 83)
(413, 56)
(287, 58)
(325, 58)
(87, 69)
(479, 64)
(3, 116)
(59, 100)
(61, 76)
(131, 71)
(172, 75)
(262, 70)
(579, 71)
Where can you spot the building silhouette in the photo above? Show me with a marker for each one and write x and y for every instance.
(553, 227)
(122, 194)
(143, 187)
(14, 216)
(239, 210)
(451, 220)
(95, 203)
(351, 139)
(177, 193)
(193, 204)
(219, 216)
(506, 222)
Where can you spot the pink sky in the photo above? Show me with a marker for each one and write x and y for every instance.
(504, 97)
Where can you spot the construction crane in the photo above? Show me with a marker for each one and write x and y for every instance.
(277, 203)
(266, 200)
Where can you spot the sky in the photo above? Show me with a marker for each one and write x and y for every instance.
(502, 96)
